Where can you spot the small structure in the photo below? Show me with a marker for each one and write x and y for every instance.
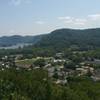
(96, 76)
(84, 70)
(62, 82)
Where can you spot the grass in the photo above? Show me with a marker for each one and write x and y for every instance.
(25, 62)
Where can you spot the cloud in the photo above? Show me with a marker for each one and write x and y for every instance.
(64, 18)
(94, 17)
(72, 20)
(40, 22)
(80, 21)
(86, 21)
(19, 2)
(16, 2)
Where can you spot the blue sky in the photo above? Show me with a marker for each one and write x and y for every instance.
(32, 17)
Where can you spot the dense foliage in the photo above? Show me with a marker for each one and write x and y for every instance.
(17, 39)
(35, 85)
(62, 38)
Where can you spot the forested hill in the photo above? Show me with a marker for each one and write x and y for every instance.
(60, 38)
(17, 39)
(71, 37)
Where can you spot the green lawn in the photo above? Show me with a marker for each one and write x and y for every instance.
(26, 61)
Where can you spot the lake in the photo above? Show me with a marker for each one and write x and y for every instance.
(21, 45)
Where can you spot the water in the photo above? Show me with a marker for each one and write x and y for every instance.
(21, 45)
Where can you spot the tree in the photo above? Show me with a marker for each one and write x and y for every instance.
(69, 65)
(39, 62)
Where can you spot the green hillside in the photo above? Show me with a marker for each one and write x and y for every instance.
(61, 38)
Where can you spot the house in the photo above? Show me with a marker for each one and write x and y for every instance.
(19, 56)
(84, 70)
(58, 60)
(59, 55)
(23, 65)
(51, 71)
(62, 82)
(47, 66)
(96, 75)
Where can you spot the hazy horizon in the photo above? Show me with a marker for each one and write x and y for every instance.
(46, 33)
(34, 17)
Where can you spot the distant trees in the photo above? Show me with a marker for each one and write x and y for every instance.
(76, 59)
(55, 74)
(39, 62)
(69, 65)
(75, 39)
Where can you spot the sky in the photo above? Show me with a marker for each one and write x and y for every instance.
(33, 17)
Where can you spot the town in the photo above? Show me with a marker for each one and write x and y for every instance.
(59, 67)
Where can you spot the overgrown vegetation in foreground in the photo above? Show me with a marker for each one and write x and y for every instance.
(35, 85)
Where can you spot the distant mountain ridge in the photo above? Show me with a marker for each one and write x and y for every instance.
(62, 38)
(17, 39)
